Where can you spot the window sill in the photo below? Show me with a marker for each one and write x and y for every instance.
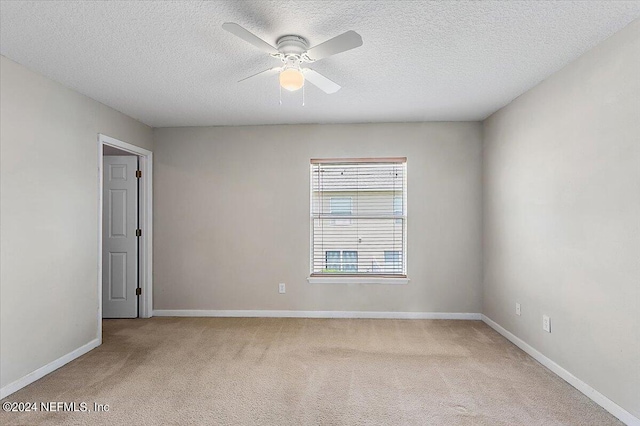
(357, 280)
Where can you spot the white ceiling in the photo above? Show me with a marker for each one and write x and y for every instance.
(171, 63)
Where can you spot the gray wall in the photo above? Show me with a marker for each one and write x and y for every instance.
(49, 216)
(232, 220)
(562, 217)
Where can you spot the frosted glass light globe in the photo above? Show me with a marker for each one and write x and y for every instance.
(291, 79)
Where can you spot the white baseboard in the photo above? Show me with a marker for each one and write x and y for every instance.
(43, 371)
(315, 314)
(590, 392)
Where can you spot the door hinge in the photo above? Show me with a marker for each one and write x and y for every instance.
(138, 232)
(138, 174)
(138, 291)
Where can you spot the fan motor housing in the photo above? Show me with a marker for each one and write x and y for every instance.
(292, 45)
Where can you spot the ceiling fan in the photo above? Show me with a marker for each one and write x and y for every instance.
(293, 51)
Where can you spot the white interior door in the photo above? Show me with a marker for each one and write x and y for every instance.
(120, 245)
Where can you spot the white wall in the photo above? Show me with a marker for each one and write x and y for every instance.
(49, 216)
(562, 217)
(232, 220)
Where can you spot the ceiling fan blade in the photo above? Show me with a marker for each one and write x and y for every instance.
(320, 81)
(249, 37)
(341, 43)
(261, 72)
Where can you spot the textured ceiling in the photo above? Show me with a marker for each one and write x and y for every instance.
(171, 64)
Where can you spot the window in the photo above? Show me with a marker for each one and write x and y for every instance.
(392, 261)
(347, 261)
(340, 206)
(333, 261)
(350, 261)
(398, 208)
(358, 218)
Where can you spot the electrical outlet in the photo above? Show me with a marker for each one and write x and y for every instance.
(546, 323)
(281, 288)
(517, 309)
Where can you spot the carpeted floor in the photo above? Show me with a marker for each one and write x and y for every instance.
(272, 371)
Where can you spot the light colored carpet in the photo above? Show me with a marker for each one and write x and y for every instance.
(259, 371)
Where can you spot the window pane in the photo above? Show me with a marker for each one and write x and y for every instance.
(392, 262)
(340, 205)
(365, 242)
(397, 206)
(350, 261)
(332, 259)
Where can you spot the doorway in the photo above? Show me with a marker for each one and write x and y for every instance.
(125, 232)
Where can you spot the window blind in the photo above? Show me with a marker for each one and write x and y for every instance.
(358, 217)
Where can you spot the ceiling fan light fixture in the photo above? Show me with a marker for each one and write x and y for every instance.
(291, 79)
(293, 50)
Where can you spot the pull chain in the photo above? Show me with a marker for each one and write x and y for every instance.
(280, 87)
(303, 95)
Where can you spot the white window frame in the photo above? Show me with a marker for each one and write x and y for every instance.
(359, 279)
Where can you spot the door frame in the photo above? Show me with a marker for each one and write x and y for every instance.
(145, 205)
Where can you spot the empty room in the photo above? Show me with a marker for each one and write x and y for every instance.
(320, 212)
